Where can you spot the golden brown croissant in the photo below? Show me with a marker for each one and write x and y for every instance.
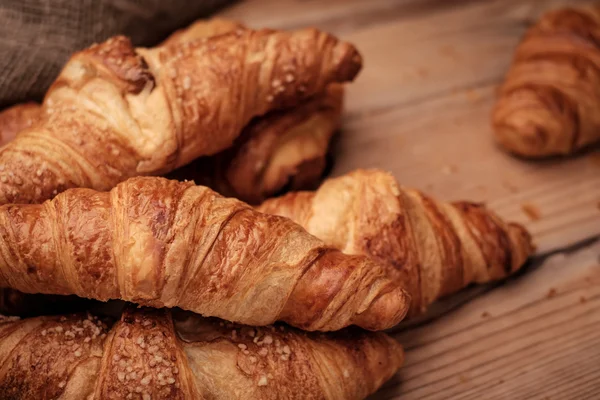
(166, 243)
(17, 118)
(433, 248)
(148, 355)
(549, 101)
(116, 112)
(282, 150)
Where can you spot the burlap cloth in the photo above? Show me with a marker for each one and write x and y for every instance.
(38, 36)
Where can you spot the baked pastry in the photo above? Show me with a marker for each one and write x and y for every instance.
(432, 248)
(116, 111)
(164, 243)
(284, 150)
(148, 355)
(548, 103)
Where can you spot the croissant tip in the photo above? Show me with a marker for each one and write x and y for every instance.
(523, 238)
(350, 61)
(386, 311)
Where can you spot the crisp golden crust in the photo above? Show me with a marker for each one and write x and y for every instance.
(17, 118)
(116, 112)
(146, 355)
(46, 357)
(279, 362)
(282, 150)
(548, 103)
(143, 359)
(166, 243)
(432, 248)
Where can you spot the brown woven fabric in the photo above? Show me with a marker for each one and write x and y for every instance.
(38, 36)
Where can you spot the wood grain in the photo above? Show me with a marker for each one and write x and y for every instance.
(421, 109)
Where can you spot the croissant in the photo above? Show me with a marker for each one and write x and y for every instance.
(548, 103)
(17, 118)
(432, 248)
(116, 112)
(165, 243)
(283, 150)
(149, 355)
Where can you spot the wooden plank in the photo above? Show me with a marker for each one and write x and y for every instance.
(537, 335)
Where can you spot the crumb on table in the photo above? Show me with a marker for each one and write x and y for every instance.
(531, 211)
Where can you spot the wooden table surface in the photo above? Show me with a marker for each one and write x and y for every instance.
(420, 108)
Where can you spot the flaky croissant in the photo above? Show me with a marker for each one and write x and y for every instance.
(116, 112)
(283, 150)
(433, 248)
(148, 355)
(548, 104)
(165, 243)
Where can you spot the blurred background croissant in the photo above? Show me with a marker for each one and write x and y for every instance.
(38, 36)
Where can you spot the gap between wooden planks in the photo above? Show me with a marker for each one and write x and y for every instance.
(421, 106)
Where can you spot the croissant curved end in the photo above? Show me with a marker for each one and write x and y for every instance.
(349, 61)
(386, 311)
(522, 244)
